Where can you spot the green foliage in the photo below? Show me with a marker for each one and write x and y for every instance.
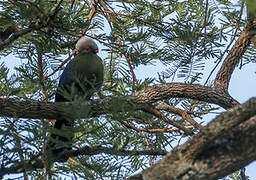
(176, 35)
(251, 6)
(8, 84)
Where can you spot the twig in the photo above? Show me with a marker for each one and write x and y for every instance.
(128, 59)
(159, 130)
(37, 163)
(160, 115)
(41, 74)
(93, 10)
(112, 151)
(180, 112)
(56, 10)
(205, 20)
(61, 65)
(242, 174)
(148, 147)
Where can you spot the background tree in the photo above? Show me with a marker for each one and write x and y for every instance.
(134, 121)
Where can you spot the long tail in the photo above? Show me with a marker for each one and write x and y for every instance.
(61, 137)
(62, 134)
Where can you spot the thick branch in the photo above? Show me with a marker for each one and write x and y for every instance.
(223, 123)
(224, 75)
(232, 143)
(137, 101)
(182, 90)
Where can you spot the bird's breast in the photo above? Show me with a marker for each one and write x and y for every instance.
(89, 68)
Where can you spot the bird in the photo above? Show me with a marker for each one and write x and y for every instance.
(81, 78)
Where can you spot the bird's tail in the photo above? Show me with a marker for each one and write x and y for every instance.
(61, 137)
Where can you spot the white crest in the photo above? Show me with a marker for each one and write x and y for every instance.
(82, 41)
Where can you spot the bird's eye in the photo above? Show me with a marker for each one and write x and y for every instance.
(96, 51)
(87, 48)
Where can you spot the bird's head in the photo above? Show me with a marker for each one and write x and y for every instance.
(86, 44)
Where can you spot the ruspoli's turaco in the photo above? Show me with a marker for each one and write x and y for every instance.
(81, 78)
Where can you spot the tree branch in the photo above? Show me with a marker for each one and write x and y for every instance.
(18, 34)
(223, 123)
(180, 112)
(61, 65)
(149, 130)
(160, 115)
(112, 18)
(36, 162)
(224, 75)
(137, 101)
(182, 90)
(231, 143)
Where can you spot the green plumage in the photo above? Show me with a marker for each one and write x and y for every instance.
(82, 77)
(85, 71)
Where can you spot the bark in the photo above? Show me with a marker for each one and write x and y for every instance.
(182, 90)
(224, 75)
(137, 101)
(226, 150)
